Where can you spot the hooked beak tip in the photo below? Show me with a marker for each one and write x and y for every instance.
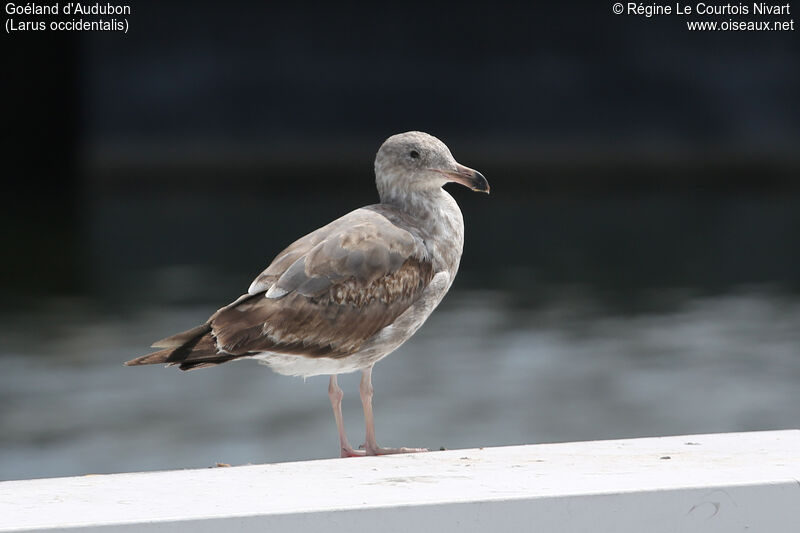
(479, 182)
(469, 178)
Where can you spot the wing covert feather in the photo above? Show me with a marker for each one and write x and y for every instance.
(328, 292)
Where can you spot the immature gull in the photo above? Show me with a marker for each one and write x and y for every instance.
(348, 294)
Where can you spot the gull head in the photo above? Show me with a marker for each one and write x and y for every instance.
(416, 162)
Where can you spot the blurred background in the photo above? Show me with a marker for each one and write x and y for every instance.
(635, 271)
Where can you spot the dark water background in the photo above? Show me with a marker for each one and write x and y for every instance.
(596, 317)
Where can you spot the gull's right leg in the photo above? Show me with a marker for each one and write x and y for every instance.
(371, 445)
(335, 393)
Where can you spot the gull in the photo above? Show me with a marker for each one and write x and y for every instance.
(345, 296)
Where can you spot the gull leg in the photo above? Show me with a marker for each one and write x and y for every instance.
(371, 445)
(335, 393)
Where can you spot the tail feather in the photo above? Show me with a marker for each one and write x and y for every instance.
(194, 348)
(179, 339)
(154, 358)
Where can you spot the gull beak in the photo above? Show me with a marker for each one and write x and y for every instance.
(468, 178)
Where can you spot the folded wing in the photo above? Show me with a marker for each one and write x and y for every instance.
(323, 296)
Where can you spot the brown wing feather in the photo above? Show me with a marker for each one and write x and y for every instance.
(333, 289)
(333, 324)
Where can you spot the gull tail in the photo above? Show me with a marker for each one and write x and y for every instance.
(193, 348)
(153, 358)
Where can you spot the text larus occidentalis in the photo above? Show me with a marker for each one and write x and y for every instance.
(348, 294)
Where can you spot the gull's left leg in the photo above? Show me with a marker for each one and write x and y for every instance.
(371, 445)
(335, 393)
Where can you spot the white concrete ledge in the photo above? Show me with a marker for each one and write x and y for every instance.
(709, 483)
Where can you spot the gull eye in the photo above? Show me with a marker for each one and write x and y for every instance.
(414, 154)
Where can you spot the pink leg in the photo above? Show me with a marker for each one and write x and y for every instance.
(335, 393)
(371, 446)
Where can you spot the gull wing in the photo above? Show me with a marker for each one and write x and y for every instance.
(323, 296)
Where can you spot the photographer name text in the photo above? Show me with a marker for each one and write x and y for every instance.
(701, 8)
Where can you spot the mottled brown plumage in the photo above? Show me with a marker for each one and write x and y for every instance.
(330, 291)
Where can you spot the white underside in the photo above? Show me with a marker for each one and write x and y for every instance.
(298, 365)
(379, 346)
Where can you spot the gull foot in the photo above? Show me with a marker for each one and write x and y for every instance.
(389, 451)
(350, 452)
